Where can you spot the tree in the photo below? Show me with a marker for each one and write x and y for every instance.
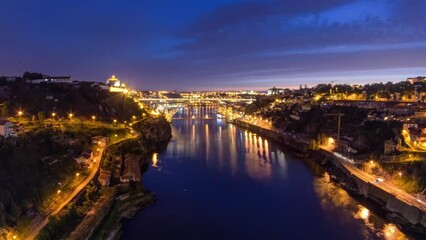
(40, 116)
(32, 76)
(4, 111)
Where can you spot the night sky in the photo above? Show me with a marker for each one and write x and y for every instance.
(203, 44)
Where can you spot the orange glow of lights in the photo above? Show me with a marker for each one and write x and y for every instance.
(154, 159)
(365, 213)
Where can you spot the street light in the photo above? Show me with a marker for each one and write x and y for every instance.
(53, 115)
(20, 113)
(70, 115)
(93, 118)
(77, 174)
(59, 191)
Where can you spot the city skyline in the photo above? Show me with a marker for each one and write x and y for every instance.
(224, 45)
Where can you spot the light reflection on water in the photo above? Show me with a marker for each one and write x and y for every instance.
(218, 181)
(258, 156)
(333, 198)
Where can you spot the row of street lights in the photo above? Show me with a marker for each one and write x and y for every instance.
(20, 113)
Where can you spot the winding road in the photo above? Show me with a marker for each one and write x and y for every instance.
(95, 167)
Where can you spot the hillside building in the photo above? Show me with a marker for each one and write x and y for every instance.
(6, 128)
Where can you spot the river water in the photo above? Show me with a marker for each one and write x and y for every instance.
(218, 181)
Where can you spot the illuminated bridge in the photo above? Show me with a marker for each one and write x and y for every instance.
(198, 99)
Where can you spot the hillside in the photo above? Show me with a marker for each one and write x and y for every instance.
(83, 100)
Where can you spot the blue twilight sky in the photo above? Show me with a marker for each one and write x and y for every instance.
(200, 44)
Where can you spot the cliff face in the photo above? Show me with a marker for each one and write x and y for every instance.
(154, 129)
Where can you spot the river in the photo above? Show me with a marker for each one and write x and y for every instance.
(218, 181)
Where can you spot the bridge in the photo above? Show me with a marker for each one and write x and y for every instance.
(197, 99)
(170, 113)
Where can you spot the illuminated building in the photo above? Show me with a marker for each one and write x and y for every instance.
(113, 81)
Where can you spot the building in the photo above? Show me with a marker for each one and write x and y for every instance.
(113, 81)
(11, 78)
(104, 178)
(99, 140)
(276, 91)
(131, 171)
(407, 125)
(416, 79)
(115, 85)
(100, 85)
(6, 128)
(390, 147)
(85, 158)
(51, 79)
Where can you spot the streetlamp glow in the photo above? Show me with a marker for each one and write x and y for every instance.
(59, 191)
(93, 118)
(70, 115)
(77, 174)
(53, 115)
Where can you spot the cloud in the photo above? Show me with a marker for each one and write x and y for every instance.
(195, 44)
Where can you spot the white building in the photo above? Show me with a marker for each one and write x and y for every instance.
(85, 158)
(416, 79)
(6, 128)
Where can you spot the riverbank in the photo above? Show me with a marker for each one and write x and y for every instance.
(403, 214)
(155, 133)
(125, 206)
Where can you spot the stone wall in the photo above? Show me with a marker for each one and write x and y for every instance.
(391, 203)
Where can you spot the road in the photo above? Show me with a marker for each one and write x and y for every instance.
(354, 170)
(95, 167)
(385, 186)
(262, 124)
